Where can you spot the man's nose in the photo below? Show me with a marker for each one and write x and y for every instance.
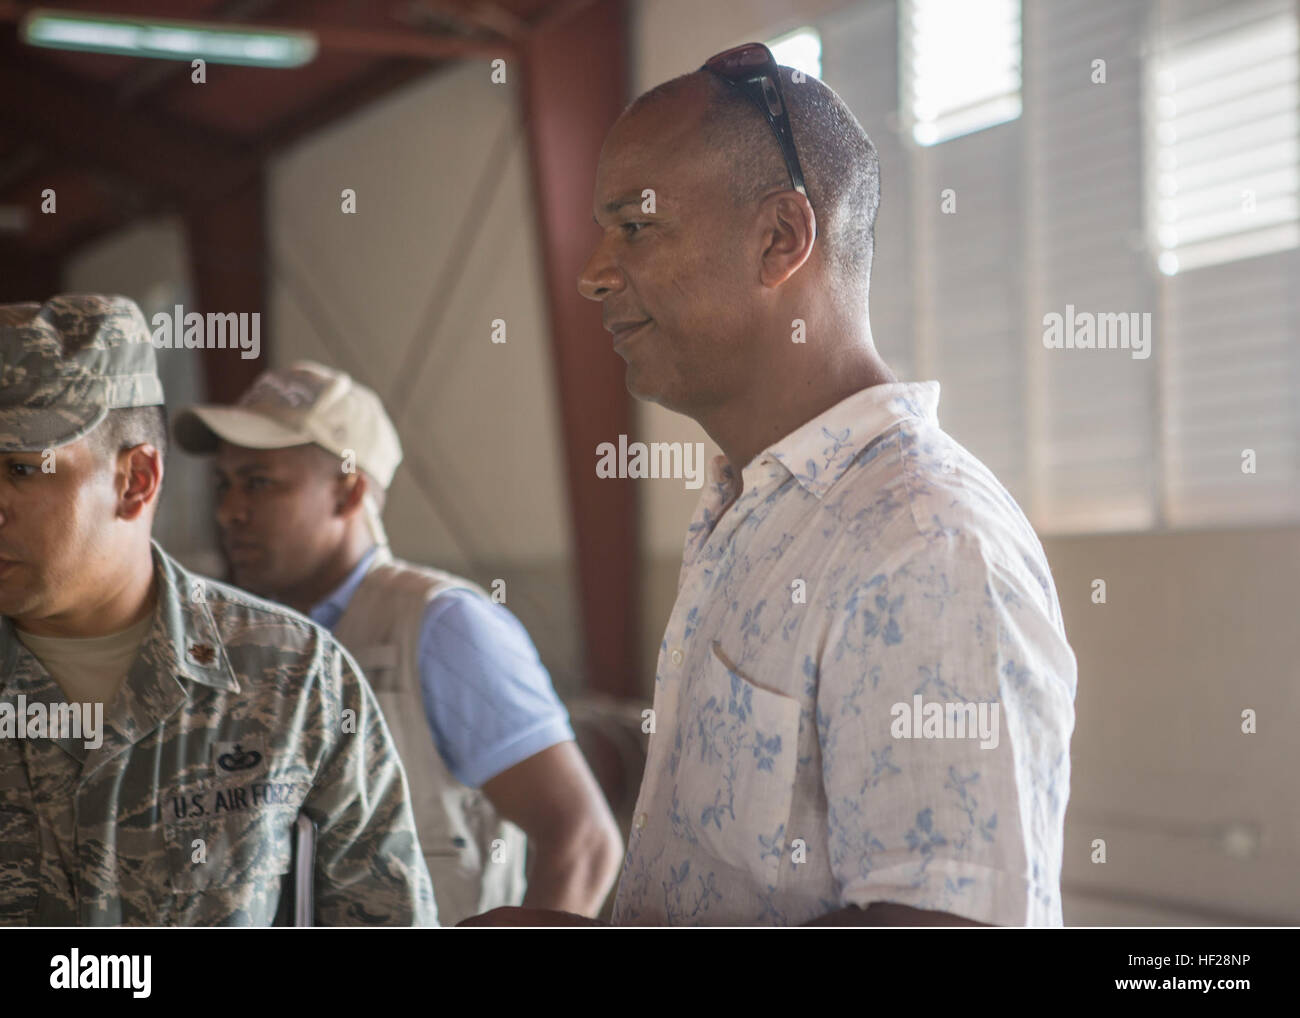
(600, 276)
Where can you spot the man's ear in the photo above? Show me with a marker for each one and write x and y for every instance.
(352, 488)
(789, 228)
(138, 479)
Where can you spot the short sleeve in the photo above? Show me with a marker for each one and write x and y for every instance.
(944, 712)
(488, 697)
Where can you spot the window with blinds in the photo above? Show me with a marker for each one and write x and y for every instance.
(1059, 211)
(960, 66)
(800, 49)
(860, 55)
(1092, 420)
(1225, 135)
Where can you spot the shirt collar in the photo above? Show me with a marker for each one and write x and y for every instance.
(328, 612)
(816, 454)
(185, 634)
(819, 452)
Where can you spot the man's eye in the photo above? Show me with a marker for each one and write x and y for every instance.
(632, 228)
(255, 483)
(22, 469)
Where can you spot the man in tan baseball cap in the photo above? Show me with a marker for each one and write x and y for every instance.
(303, 463)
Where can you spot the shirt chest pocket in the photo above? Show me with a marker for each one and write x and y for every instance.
(252, 850)
(736, 768)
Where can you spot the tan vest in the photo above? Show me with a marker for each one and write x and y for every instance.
(475, 857)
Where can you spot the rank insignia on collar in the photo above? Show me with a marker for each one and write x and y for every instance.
(202, 653)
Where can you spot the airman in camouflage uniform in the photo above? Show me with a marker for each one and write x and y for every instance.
(235, 715)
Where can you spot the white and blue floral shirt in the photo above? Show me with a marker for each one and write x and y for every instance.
(864, 692)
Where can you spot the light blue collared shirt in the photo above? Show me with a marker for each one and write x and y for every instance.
(487, 696)
(870, 574)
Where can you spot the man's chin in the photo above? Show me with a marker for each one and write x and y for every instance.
(23, 605)
(643, 388)
(15, 609)
(648, 393)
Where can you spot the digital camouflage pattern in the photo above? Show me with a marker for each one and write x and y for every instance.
(233, 718)
(65, 363)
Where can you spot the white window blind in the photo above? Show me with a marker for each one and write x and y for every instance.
(960, 70)
(1232, 429)
(1225, 134)
(1051, 214)
(968, 293)
(960, 64)
(860, 43)
(800, 49)
(1225, 126)
(1093, 413)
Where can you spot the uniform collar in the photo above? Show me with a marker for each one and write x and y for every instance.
(185, 633)
(184, 643)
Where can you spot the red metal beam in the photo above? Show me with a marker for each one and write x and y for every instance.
(76, 122)
(394, 43)
(350, 97)
(27, 275)
(227, 242)
(575, 86)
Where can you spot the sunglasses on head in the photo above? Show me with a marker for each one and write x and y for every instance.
(752, 69)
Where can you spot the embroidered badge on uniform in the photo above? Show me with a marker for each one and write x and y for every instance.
(235, 756)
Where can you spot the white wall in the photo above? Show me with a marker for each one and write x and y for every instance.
(422, 267)
(371, 281)
(1197, 627)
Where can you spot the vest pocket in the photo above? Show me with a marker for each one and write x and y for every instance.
(379, 663)
(735, 776)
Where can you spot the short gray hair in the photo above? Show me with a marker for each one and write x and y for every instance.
(840, 164)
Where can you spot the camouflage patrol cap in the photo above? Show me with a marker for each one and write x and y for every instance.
(66, 363)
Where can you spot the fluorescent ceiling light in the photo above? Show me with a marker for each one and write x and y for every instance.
(169, 40)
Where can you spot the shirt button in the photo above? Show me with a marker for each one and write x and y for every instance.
(639, 821)
(675, 657)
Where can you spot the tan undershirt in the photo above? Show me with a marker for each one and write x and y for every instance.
(89, 670)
